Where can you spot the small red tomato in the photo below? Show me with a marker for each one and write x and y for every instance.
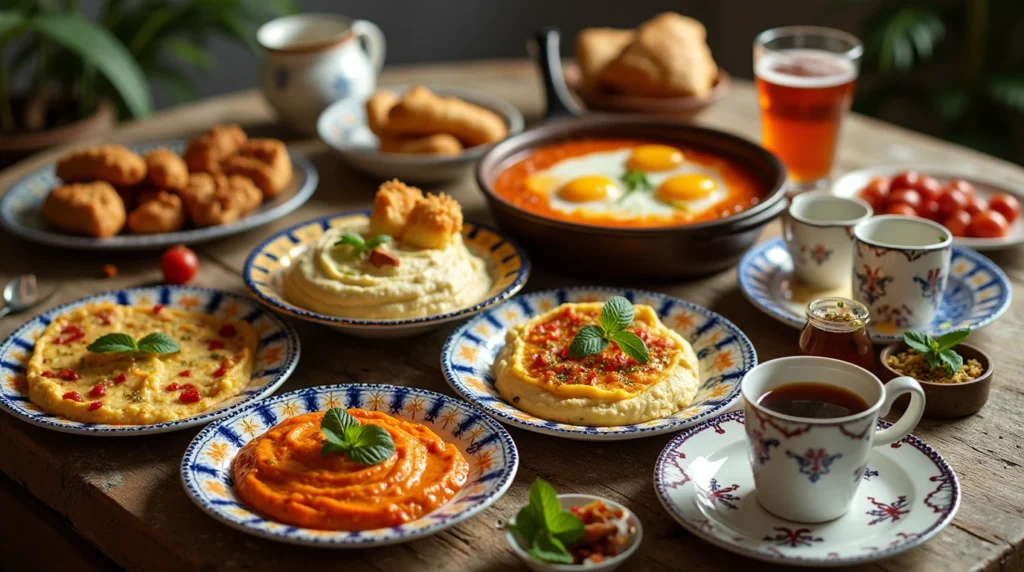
(1006, 205)
(976, 205)
(952, 200)
(905, 180)
(908, 197)
(929, 188)
(988, 224)
(95, 405)
(901, 209)
(929, 209)
(957, 223)
(190, 395)
(179, 264)
(961, 185)
(873, 197)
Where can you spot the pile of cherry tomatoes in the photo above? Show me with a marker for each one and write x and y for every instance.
(954, 206)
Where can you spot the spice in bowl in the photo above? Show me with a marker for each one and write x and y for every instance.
(934, 360)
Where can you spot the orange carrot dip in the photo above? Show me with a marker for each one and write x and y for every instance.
(282, 475)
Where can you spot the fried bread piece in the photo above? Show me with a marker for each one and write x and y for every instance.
(92, 209)
(158, 211)
(438, 144)
(668, 58)
(206, 152)
(218, 199)
(377, 109)
(595, 48)
(391, 207)
(421, 112)
(114, 164)
(433, 222)
(265, 161)
(166, 170)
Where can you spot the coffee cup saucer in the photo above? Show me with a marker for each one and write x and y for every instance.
(703, 479)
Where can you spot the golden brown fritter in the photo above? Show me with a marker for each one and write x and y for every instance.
(596, 48)
(421, 112)
(92, 209)
(206, 152)
(114, 164)
(265, 161)
(391, 207)
(439, 144)
(433, 222)
(166, 170)
(377, 109)
(218, 199)
(158, 211)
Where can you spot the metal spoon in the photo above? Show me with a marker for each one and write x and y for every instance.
(21, 294)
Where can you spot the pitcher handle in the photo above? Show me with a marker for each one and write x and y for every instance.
(906, 423)
(376, 47)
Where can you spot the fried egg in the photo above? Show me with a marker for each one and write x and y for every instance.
(593, 183)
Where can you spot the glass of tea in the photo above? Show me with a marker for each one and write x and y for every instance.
(805, 77)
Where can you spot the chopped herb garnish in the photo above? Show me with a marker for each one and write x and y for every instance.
(359, 245)
(616, 316)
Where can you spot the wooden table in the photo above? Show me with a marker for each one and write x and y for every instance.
(123, 495)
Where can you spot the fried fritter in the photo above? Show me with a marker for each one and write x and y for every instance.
(596, 48)
(206, 152)
(218, 199)
(166, 170)
(377, 109)
(114, 164)
(421, 112)
(433, 222)
(391, 207)
(439, 144)
(92, 209)
(158, 211)
(265, 161)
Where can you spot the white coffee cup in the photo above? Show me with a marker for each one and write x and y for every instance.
(819, 235)
(900, 270)
(314, 60)
(807, 469)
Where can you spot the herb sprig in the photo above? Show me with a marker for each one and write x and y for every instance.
(365, 444)
(616, 316)
(155, 343)
(939, 351)
(545, 528)
(360, 245)
(635, 180)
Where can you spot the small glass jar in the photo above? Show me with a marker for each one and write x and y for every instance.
(837, 328)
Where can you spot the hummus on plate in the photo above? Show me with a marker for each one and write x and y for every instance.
(535, 373)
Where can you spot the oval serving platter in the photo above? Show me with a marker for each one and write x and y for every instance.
(21, 209)
(976, 294)
(492, 456)
(276, 356)
(724, 351)
(507, 262)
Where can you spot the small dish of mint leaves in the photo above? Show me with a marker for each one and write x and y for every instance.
(545, 531)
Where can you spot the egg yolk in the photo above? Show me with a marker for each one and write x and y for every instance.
(654, 158)
(686, 188)
(589, 188)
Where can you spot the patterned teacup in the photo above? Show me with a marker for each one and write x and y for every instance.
(900, 270)
(808, 470)
(819, 236)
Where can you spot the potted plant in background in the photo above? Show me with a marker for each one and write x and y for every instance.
(76, 76)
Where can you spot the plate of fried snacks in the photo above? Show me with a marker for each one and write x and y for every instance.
(157, 194)
(418, 133)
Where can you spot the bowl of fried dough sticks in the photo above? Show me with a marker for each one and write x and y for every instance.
(424, 134)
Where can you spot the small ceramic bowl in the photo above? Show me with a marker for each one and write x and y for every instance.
(945, 400)
(569, 501)
(343, 127)
(680, 108)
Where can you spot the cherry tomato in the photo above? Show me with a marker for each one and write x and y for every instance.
(957, 223)
(929, 209)
(908, 197)
(952, 200)
(929, 188)
(905, 180)
(976, 205)
(901, 209)
(962, 185)
(988, 224)
(1006, 205)
(179, 264)
(873, 197)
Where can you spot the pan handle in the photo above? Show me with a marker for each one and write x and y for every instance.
(544, 49)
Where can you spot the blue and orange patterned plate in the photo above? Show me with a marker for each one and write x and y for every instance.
(21, 209)
(725, 355)
(976, 294)
(507, 263)
(276, 356)
(907, 494)
(492, 456)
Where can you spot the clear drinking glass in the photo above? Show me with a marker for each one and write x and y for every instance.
(805, 77)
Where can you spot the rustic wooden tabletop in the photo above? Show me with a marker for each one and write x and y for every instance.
(123, 496)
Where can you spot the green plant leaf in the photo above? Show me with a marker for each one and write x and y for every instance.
(151, 27)
(9, 20)
(377, 241)
(545, 501)
(365, 444)
(335, 426)
(952, 339)
(933, 359)
(952, 103)
(190, 53)
(899, 37)
(528, 524)
(115, 342)
(617, 314)
(98, 47)
(549, 549)
(372, 446)
(919, 341)
(177, 83)
(158, 343)
(588, 341)
(352, 239)
(951, 361)
(631, 345)
(566, 527)
(1007, 90)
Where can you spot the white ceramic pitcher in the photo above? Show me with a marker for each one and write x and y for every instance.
(313, 60)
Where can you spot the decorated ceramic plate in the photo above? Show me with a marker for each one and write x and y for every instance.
(724, 352)
(507, 263)
(277, 354)
(908, 493)
(976, 294)
(850, 184)
(492, 456)
(21, 209)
